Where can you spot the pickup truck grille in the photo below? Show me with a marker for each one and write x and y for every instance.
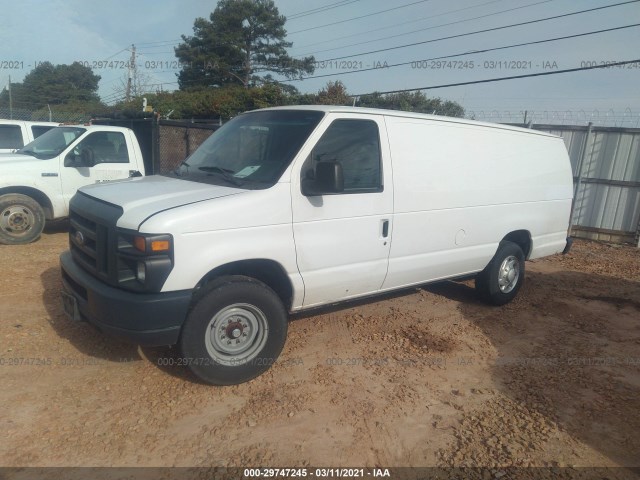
(92, 236)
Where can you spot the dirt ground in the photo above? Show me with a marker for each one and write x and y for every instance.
(424, 377)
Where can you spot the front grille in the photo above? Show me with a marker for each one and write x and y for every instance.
(92, 236)
(84, 238)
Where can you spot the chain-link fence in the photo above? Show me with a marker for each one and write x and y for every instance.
(44, 115)
(601, 118)
(178, 140)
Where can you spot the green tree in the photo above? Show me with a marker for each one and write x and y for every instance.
(209, 103)
(61, 88)
(412, 102)
(49, 84)
(334, 93)
(239, 44)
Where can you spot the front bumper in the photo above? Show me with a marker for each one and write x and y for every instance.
(151, 319)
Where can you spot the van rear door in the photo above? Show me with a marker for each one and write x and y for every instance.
(343, 239)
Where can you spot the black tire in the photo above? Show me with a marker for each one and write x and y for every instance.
(503, 277)
(21, 219)
(234, 332)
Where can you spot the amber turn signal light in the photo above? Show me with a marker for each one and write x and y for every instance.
(160, 245)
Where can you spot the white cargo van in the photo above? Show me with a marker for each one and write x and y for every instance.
(290, 208)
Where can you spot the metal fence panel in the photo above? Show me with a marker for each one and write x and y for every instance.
(607, 204)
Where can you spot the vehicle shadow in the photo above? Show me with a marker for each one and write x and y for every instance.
(568, 351)
(91, 342)
(447, 286)
(56, 226)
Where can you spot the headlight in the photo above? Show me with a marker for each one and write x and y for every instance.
(144, 260)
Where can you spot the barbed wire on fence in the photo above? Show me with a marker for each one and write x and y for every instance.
(606, 118)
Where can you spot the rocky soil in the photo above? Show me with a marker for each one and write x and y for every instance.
(424, 377)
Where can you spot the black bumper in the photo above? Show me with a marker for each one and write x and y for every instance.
(144, 318)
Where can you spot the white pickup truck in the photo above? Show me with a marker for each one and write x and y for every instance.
(16, 134)
(38, 180)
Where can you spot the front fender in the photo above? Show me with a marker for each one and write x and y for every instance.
(48, 187)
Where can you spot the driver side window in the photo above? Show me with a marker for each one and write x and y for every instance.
(99, 147)
(355, 144)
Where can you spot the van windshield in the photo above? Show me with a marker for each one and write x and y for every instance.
(252, 150)
(52, 143)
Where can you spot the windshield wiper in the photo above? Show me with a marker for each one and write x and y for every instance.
(177, 169)
(224, 172)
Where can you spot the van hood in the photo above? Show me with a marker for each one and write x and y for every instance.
(141, 198)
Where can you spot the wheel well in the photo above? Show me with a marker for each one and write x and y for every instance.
(268, 272)
(36, 194)
(522, 238)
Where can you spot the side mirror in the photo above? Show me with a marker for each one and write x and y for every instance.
(328, 178)
(88, 159)
(77, 159)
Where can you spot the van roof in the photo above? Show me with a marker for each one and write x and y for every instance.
(403, 114)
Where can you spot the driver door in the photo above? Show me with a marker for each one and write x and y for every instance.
(99, 157)
(343, 239)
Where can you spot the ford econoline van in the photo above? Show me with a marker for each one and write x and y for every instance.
(291, 208)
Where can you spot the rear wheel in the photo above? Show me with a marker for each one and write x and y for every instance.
(503, 277)
(234, 332)
(21, 219)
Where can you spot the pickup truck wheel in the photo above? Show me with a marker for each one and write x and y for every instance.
(501, 279)
(21, 219)
(234, 332)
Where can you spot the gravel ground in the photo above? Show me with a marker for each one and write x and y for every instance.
(424, 377)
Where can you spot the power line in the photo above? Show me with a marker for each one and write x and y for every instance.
(118, 53)
(159, 41)
(474, 52)
(428, 28)
(480, 31)
(467, 34)
(313, 11)
(499, 79)
(398, 24)
(357, 18)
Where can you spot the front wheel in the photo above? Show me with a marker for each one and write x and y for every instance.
(21, 219)
(501, 279)
(234, 332)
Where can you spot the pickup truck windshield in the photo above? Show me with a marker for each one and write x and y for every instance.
(52, 143)
(252, 150)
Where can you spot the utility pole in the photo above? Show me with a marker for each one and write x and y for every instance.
(10, 100)
(132, 74)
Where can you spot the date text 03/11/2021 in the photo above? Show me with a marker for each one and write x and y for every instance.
(316, 472)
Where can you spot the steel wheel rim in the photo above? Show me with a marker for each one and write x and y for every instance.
(236, 334)
(508, 274)
(17, 219)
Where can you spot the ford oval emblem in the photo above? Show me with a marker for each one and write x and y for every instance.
(79, 238)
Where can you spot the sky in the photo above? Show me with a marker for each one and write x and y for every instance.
(340, 33)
